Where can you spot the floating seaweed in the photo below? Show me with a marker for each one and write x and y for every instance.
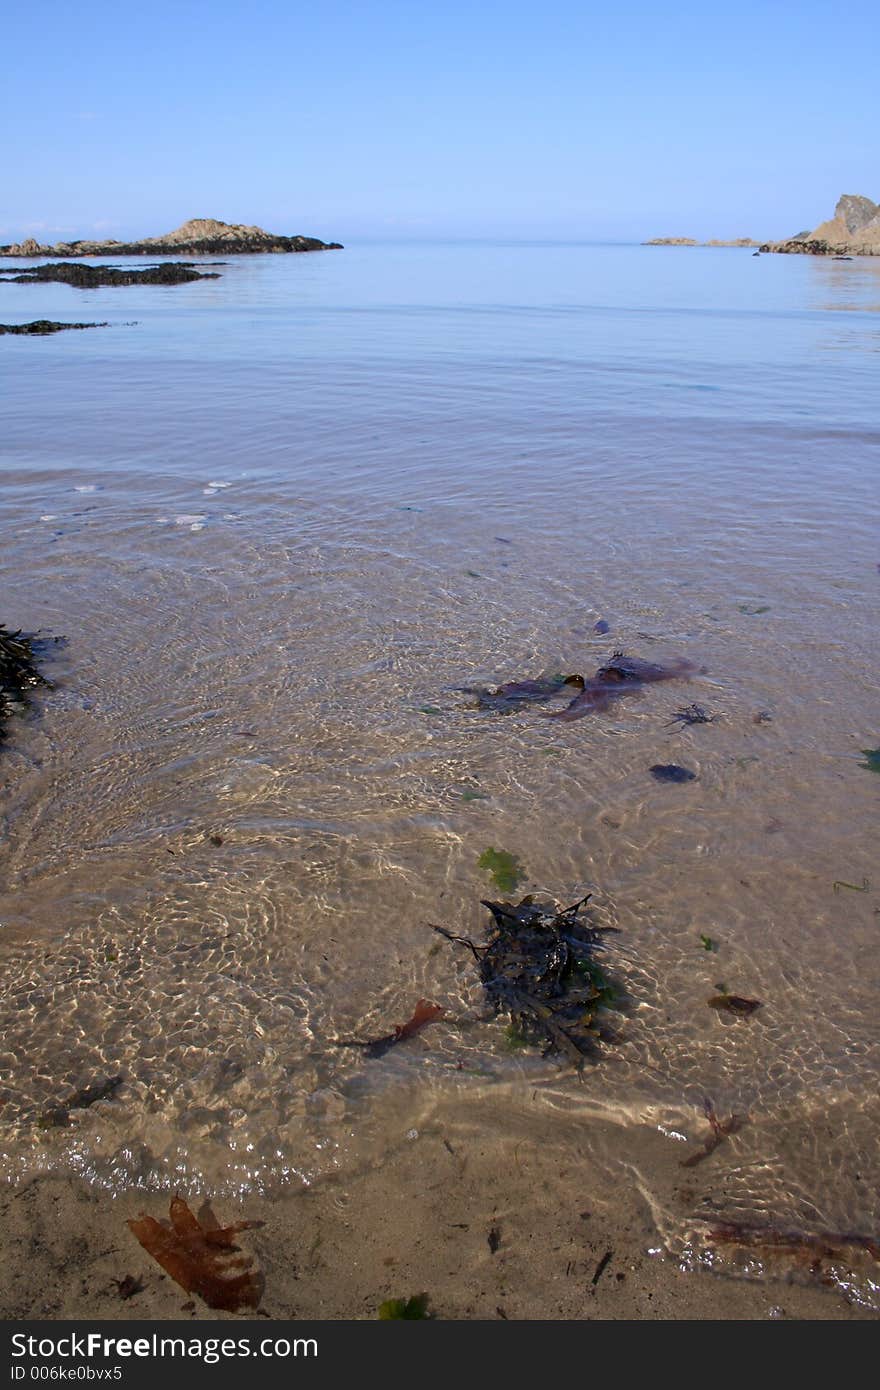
(201, 1259)
(622, 675)
(86, 1096)
(537, 966)
(511, 696)
(872, 759)
(733, 1004)
(806, 1246)
(691, 714)
(718, 1132)
(425, 1012)
(506, 871)
(601, 627)
(671, 772)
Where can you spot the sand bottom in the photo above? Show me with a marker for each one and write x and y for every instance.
(425, 1221)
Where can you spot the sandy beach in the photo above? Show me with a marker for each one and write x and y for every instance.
(419, 1224)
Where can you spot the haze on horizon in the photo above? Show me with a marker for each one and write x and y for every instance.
(582, 120)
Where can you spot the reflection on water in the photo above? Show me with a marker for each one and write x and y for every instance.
(282, 529)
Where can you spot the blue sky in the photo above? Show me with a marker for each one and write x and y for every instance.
(347, 120)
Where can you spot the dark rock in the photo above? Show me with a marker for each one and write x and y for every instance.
(39, 328)
(89, 277)
(797, 247)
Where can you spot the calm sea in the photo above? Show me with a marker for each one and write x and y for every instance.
(282, 518)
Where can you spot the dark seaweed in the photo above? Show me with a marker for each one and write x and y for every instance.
(671, 772)
(537, 966)
(511, 696)
(19, 673)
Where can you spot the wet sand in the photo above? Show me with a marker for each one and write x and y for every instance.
(419, 1224)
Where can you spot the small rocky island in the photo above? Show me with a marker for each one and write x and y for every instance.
(201, 236)
(691, 241)
(854, 230)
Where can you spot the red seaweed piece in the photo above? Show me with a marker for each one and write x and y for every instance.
(425, 1012)
(718, 1132)
(201, 1259)
(803, 1244)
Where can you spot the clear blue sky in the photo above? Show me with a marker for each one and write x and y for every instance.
(620, 119)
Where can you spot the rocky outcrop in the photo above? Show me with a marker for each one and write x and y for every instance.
(691, 241)
(90, 277)
(39, 328)
(201, 236)
(854, 230)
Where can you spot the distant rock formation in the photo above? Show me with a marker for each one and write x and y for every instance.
(690, 241)
(854, 230)
(201, 236)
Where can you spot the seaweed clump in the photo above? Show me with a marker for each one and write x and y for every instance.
(18, 673)
(537, 966)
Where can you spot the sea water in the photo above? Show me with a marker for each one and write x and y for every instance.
(284, 518)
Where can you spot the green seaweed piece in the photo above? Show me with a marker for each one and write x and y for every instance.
(429, 709)
(753, 609)
(872, 759)
(707, 943)
(604, 991)
(853, 887)
(404, 1309)
(506, 871)
(515, 1039)
(470, 795)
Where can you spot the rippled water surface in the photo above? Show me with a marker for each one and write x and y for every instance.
(282, 517)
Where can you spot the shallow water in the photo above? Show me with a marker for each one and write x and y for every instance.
(282, 517)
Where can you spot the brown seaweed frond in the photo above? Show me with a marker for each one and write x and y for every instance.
(718, 1132)
(201, 1259)
(805, 1246)
(425, 1012)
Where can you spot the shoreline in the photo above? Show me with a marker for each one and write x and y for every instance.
(424, 1222)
